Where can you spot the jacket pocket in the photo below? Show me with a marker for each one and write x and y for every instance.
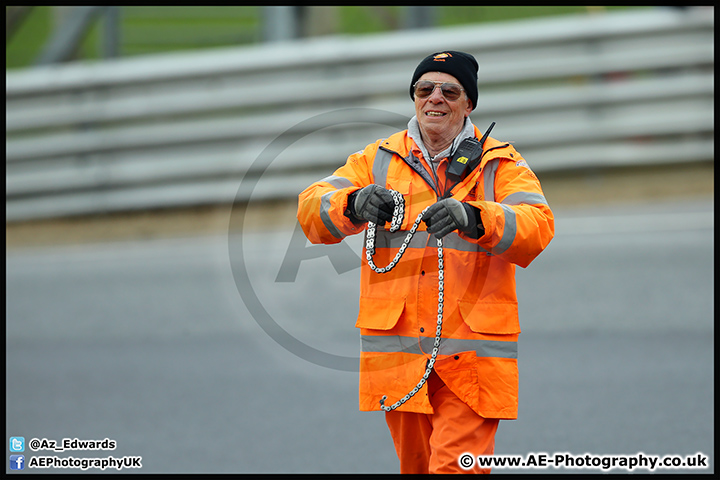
(491, 318)
(379, 313)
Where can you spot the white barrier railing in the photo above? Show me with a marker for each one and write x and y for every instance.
(186, 129)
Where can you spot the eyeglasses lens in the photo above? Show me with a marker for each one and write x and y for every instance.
(450, 91)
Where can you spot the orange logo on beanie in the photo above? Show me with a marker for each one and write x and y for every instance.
(440, 57)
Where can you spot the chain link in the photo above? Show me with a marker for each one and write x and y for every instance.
(395, 224)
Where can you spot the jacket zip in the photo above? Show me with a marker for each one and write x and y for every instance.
(416, 168)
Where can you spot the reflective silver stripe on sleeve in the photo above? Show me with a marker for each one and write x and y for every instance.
(508, 232)
(337, 182)
(448, 346)
(325, 215)
(489, 180)
(527, 198)
(380, 166)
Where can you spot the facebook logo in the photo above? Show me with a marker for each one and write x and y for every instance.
(17, 444)
(17, 462)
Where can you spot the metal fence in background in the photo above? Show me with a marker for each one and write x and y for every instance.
(177, 130)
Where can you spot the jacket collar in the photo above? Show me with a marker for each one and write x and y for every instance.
(402, 144)
(414, 133)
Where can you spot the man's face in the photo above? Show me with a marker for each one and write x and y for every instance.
(437, 115)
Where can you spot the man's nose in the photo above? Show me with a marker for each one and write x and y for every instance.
(437, 96)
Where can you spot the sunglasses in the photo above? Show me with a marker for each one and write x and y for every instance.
(425, 88)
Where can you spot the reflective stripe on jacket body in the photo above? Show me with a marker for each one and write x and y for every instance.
(398, 310)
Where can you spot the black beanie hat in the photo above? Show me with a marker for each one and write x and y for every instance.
(460, 65)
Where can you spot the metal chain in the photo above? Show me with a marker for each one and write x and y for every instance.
(398, 216)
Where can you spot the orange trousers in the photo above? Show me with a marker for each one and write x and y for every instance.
(433, 443)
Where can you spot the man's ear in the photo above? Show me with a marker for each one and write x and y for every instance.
(469, 107)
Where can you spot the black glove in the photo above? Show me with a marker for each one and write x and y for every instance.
(449, 214)
(372, 203)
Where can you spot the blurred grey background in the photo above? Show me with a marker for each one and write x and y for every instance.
(153, 161)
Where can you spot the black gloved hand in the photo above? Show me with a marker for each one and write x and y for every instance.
(372, 203)
(449, 214)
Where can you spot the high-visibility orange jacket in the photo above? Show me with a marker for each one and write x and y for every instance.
(398, 310)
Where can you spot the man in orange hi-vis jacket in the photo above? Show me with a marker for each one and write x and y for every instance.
(447, 213)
